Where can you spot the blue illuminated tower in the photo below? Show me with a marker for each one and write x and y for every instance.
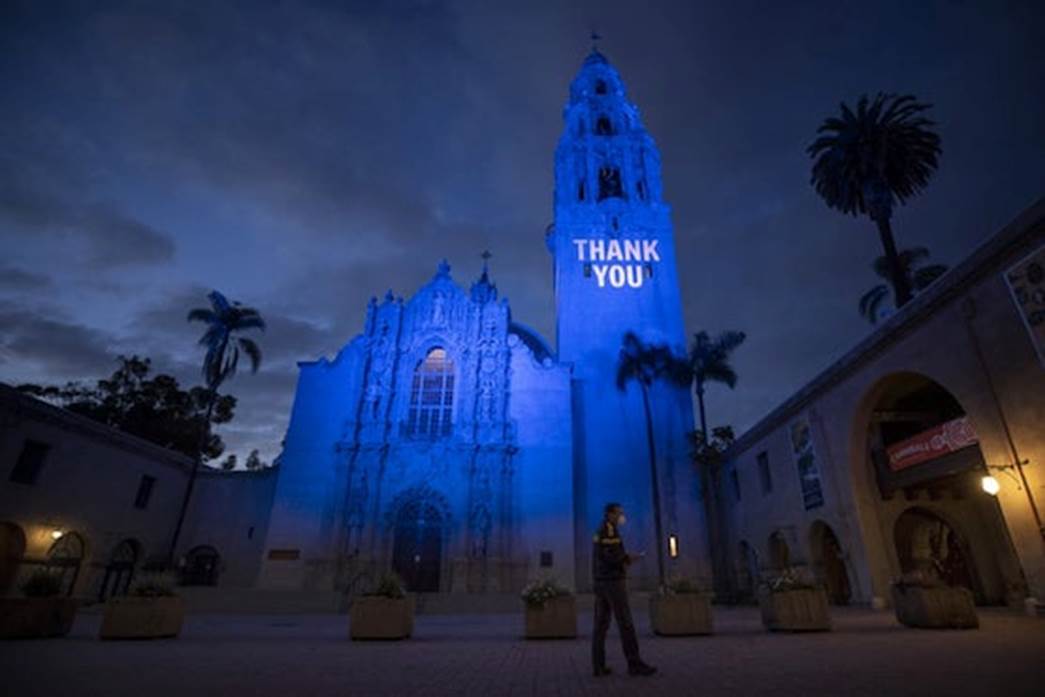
(614, 256)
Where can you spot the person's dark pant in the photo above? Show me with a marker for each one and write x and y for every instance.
(612, 596)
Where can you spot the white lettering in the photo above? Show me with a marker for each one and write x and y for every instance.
(597, 250)
(617, 276)
(634, 275)
(632, 250)
(614, 253)
(580, 248)
(649, 250)
(600, 274)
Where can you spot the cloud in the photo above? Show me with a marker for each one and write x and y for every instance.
(15, 279)
(44, 347)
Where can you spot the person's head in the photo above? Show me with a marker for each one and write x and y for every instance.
(615, 513)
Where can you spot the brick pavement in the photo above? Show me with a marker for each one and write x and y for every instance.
(483, 655)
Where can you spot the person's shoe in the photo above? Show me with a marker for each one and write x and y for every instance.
(641, 668)
(603, 670)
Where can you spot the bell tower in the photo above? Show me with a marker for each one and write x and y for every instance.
(614, 269)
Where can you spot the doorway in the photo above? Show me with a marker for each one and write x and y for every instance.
(829, 563)
(417, 547)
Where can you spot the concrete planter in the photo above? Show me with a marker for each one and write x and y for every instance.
(935, 608)
(36, 618)
(801, 610)
(555, 619)
(379, 617)
(142, 618)
(681, 614)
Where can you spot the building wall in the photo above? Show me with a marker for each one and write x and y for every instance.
(936, 336)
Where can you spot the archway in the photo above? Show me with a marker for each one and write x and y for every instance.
(417, 545)
(829, 562)
(747, 572)
(926, 543)
(119, 570)
(65, 558)
(779, 552)
(202, 567)
(12, 549)
(921, 451)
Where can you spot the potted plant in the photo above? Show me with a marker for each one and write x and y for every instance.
(551, 610)
(922, 600)
(151, 610)
(384, 612)
(43, 612)
(791, 602)
(680, 608)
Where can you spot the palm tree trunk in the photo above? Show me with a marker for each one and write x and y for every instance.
(657, 525)
(901, 284)
(707, 480)
(197, 463)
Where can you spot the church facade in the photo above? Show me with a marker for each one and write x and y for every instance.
(453, 445)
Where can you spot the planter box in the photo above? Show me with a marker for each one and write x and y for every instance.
(802, 610)
(555, 619)
(935, 608)
(682, 614)
(142, 618)
(33, 618)
(378, 617)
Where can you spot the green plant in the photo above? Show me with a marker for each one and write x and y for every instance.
(537, 593)
(153, 585)
(42, 584)
(790, 579)
(389, 585)
(680, 585)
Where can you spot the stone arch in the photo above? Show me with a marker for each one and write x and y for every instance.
(779, 551)
(65, 558)
(12, 550)
(829, 562)
(892, 469)
(419, 522)
(202, 566)
(433, 393)
(120, 568)
(748, 572)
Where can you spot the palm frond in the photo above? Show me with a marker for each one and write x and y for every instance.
(871, 300)
(927, 275)
(201, 314)
(253, 351)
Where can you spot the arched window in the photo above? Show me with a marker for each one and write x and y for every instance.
(603, 126)
(600, 87)
(431, 396)
(609, 183)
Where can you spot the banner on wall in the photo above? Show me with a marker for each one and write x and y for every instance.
(1026, 280)
(930, 444)
(805, 460)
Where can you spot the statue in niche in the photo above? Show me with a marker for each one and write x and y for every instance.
(480, 529)
(437, 309)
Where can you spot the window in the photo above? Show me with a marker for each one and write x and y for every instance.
(144, 491)
(30, 461)
(603, 126)
(600, 87)
(609, 183)
(733, 475)
(431, 397)
(764, 475)
(587, 269)
(546, 559)
(580, 191)
(641, 188)
(250, 533)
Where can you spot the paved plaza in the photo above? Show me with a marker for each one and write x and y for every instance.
(483, 655)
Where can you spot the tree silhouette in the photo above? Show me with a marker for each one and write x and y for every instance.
(918, 278)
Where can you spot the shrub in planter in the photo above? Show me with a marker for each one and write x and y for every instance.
(152, 610)
(792, 603)
(681, 608)
(924, 601)
(385, 612)
(43, 612)
(551, 610)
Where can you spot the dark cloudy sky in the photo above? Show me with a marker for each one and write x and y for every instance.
(302, 157)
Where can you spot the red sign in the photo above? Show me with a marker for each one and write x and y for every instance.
(930, 444)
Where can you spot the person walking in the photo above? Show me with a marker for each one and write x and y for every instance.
(609, 571)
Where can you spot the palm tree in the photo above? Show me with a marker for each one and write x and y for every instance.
(709, 362)
(225, 321)
(918, 277)
(867, 160)
(646, 364)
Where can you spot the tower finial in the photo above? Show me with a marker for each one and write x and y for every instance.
(486, 260)
(595, 38)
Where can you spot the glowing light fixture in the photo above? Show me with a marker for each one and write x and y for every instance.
(990, 485)
(673, 546)
(56, 534)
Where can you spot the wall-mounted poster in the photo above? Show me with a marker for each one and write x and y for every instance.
(805, 460)
(1026, 281)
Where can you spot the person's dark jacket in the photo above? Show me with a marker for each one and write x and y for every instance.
(609, 560)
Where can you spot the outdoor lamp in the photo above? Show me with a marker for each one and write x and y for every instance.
(56, 534)
(673, 546)
(990, 485)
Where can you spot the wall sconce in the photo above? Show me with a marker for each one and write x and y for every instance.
(990, 485)
(673, 546)
(56, 534)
